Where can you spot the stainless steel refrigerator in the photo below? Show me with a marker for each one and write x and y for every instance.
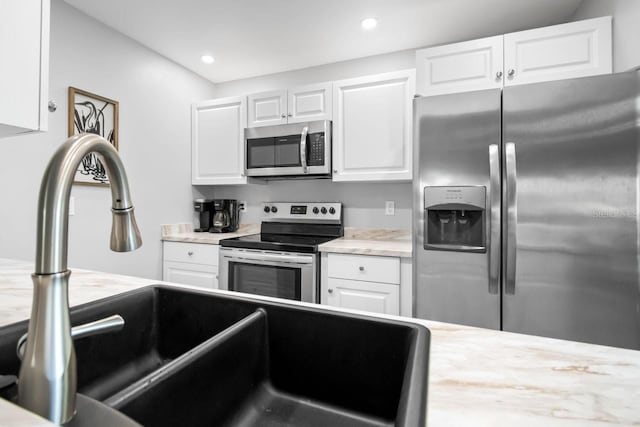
(526, 209)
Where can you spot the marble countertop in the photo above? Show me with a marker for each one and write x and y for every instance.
(185, 233)
(478, 377)
(382, 242)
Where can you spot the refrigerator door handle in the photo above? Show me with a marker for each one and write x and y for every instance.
(494, 219)
(512, 217)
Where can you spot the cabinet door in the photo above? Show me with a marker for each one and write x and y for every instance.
(205, 276)
(217, 141)
(564, 51)
(311, 102)
(24, 69)
(372, 127)
(268, 108)
(460, 67)
(367, 296)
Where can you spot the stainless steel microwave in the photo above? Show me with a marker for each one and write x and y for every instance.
(301, 150)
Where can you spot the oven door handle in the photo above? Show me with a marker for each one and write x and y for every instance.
(294, 259)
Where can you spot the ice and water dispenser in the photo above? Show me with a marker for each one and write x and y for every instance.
(454, 218)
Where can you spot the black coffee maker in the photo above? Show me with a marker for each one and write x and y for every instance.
(203, 215)
(225, 216)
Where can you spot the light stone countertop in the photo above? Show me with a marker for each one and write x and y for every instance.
(478, 377)
(396, 243)
(185, 233)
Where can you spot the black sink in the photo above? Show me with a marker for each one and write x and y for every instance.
(198, 359)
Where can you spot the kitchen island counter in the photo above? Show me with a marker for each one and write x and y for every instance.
(478, 377)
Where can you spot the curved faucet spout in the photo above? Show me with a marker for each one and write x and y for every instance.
(53, 203)
(47, 381)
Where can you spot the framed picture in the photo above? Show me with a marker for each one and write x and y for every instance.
(91, 113)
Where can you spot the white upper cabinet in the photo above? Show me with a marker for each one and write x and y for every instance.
(217, 141)
(24, 66)
(308, 103)
(301, 104)
(268, 108)
(576, 49)
(372, 127)
(564, 51)
(460, 67)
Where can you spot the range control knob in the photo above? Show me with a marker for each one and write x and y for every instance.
(274, 209)
(316, 210)
(266, 209)
(332, 210)
(323, 210)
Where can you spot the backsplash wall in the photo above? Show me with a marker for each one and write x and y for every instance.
(363, 203)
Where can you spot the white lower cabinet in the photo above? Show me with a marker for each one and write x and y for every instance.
(368, 296)
(194, 264)
(380, 284)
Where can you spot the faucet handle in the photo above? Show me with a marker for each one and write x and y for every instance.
(108, 324)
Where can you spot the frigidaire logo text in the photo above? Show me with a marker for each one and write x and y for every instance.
(614, 213)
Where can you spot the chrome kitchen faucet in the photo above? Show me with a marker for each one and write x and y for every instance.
(47, 380)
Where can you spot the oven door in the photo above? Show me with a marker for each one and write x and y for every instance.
(275, 274)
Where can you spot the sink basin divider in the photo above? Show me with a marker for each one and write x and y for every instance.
(183, 361)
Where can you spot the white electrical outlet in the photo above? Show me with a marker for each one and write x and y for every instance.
(390, 207)
(72, 205)
(242, 205)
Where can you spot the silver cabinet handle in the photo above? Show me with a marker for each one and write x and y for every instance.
(303, 148)
(190, 253)
(499, 75)
(511, 198)
(330, 290)
(511, 72)
(289, 115)
(494, 219)
(283, 116)
(361, 268)
(335, 171)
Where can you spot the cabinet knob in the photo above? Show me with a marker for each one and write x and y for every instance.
(190, 253)
(283, 115)
(511, 72)
(361, 268)
(499, 75)
(289, 115)
(335, 171)
(330, 290)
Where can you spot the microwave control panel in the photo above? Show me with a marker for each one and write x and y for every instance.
(316, 149)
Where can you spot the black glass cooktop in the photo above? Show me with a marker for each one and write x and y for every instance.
(277, 242)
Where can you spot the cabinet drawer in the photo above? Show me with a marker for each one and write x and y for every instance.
(196, 253)
(365, 267)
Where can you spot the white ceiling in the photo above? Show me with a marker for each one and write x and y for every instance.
(255, 37)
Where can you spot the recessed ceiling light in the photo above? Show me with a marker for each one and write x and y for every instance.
(369, 23)
(207, 59)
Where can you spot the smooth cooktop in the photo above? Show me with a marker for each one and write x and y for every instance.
(277, 242)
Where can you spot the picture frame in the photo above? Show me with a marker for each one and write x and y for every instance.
(96, 114)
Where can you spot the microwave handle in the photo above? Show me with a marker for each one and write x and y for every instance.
(303, 148)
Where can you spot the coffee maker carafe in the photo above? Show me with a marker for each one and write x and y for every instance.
(225, 216)
(203, 215)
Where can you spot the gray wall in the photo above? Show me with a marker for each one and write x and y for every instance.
(363, 202)
(155, 96)
(626, 28)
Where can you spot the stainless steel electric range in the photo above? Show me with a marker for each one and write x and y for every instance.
(283, 260)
